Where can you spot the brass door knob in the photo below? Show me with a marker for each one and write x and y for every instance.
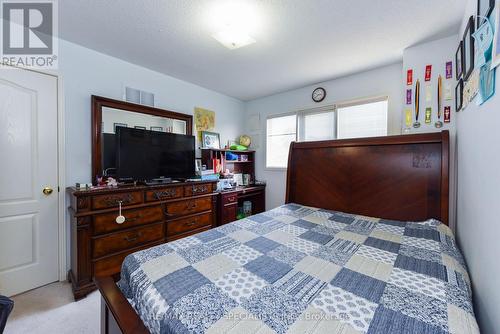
(47, 191)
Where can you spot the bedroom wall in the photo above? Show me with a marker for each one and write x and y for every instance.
(85, 72)
(381, 81)
(435, 53)
(478, 211)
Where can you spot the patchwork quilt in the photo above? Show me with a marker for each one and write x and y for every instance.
(298, 269)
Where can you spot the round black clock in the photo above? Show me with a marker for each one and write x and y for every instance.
(318, 94)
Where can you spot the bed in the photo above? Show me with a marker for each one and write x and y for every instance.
(319, 263)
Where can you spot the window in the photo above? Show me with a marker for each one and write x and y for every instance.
(317, 126)
(362, 120)
(366, 118)
(281, 131)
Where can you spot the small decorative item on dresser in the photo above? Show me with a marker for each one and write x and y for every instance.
(238, 178)
(245, 140)
(210, 139)
(243, 157)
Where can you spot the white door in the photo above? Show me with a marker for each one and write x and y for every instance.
(28, 164)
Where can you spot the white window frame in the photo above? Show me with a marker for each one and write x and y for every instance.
(265, 136)
(314, 111)
(301, 113)
(357, 102)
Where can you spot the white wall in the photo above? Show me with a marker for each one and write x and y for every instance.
(435, 53)
(86, 72)
(478, 206)
(382, 81)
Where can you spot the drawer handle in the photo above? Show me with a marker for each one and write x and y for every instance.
(232, 199)
(114, 200)
(165, 212)
(191, 206)
(165, 194)
(199, 189)
(191, 223)
(132, 238)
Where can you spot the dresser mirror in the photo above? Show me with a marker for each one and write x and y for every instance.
(108, 114)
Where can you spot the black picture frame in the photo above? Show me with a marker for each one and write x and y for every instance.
(140, 127)
(156, 128)
(468, 49)
(459, 93)
(459, 64)
(210, 140)
(484, 9)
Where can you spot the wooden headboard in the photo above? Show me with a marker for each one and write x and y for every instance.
(396, 177)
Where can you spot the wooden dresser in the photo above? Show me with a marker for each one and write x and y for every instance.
(153, 215)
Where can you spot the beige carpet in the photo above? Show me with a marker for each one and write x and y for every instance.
(51, 309)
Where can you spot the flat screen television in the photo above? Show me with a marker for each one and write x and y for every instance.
(143, 155)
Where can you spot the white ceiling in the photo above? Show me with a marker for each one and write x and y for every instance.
(299, 42)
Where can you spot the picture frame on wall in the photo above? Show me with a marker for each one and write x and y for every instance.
(140, 127)
(459, 93)
(468, 49)
(115, 125)
(459, 69)
(210, 140)
(495, 56)
(156, 128)
(484, 9)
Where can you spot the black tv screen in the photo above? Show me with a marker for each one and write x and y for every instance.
(144, 155)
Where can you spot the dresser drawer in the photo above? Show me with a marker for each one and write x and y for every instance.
(229, 198)
(163, 194)
(111, 265)
(116, 242)
(111, 201)
(198, 189)
(188, 224)
(188, 206)
(104, 223)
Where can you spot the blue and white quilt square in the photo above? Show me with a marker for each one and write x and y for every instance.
(275, 308)
(268, 268)
(180, 283)
(361, 285)
(201, 308)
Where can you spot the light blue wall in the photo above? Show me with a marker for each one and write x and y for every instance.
(86, 72)
(382, 81)
(478, 209)
(436, 53)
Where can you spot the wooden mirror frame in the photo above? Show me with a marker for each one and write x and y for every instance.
(98, 102)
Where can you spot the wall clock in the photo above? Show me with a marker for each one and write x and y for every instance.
(318, 94)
